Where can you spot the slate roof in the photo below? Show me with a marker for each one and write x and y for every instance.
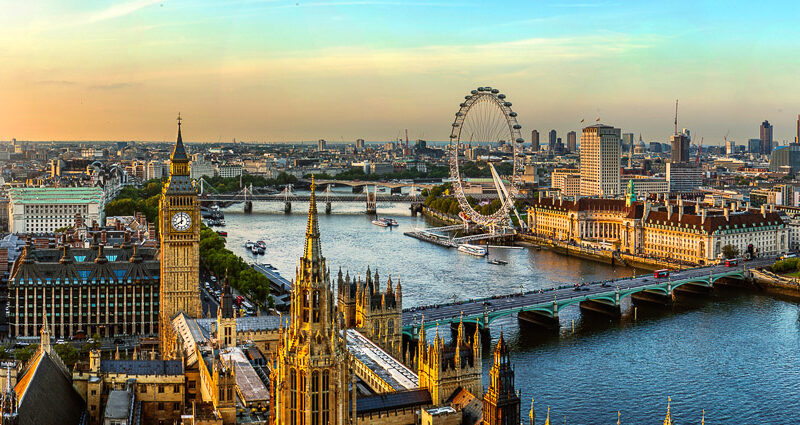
(393, 401)
(716, 221)
(47, 397)
(142, 367)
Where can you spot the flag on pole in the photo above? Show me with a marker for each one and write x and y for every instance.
(598, 119)
(583, 119)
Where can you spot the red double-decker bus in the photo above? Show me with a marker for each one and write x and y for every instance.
(732, 262)
(661, 273)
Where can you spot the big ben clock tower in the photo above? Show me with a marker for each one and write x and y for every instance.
(179, 227)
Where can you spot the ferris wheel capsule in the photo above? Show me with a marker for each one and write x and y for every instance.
(473, 92)
(495, 91)
(501, 96)
(520, 140)
(512, 114)
(517, 126)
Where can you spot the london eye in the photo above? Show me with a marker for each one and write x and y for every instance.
(485, 117)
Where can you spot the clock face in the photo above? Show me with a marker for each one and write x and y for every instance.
(181, 221)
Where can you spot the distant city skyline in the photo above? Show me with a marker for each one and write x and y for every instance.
(342, 70)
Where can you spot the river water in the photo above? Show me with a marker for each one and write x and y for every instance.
(734, 354)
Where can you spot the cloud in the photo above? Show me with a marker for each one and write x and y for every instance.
(56, 83)
(112, 86)
(117, 10)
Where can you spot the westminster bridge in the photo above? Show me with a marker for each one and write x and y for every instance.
(541, 307)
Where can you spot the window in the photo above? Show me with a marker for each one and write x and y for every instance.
(176, 406)
(160, 406)
(176, 388)
(160, 389)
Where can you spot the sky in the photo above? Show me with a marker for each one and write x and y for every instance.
(303, 70)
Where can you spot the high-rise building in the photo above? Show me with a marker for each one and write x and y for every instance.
(551, 145)
(627, 142)
(797, 138)
(600, 161)
(766, 137)
(680, 147)
(535, 138)
(321, 145)
(572, 142)
(179, 223)
(360, 144)
(311, 380)
(754, 146)
(501, 403)
(730, 147)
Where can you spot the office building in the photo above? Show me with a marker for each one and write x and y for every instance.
(82, 291)
(600, 161)
(572, 142)
(230, 169)
(645, 185)
(45, 209)
(535, 139)
(552, 140)
(785, 159)
(321, 145)
(680, 147)
(627, 142)
(754, 146)
(730, 147)
(154, 170)
(766, 137)
(567, 181)
(684, 176)
(201, 168)
(359, 144)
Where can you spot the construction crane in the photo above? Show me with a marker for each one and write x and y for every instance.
(699, 150)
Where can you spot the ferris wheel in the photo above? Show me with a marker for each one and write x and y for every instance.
(484, 117)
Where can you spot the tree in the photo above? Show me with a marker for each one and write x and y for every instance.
(730, 251)
(25, 353)
(68, 354)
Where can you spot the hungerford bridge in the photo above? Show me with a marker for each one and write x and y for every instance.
(542, 307)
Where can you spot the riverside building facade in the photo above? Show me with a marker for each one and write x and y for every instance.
(45, 209)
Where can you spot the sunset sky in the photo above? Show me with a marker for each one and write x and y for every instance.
(340, 70)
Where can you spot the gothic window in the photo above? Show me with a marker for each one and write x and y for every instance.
(315, 396)
(305, 305)
(325, 397)
(302, 405)
(293, 396)
(316, 307)
(390, 328)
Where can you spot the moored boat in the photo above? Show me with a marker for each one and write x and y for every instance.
(473, 249)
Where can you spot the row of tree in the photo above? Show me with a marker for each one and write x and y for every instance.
(132, 200)
(232, 184)
(223, 263)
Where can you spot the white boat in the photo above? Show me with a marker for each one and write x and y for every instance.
(381, 223)
(249, 244)
(473, 249)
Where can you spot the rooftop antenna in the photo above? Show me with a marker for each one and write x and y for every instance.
(676, 116)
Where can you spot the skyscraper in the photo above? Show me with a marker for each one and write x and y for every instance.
(627, 142)
(600, 161)
(680, 147)
(766, 137)
(551, 145)
(797, 138)
(179, 222)
(535, 139)
(572, 143)
(321, 145)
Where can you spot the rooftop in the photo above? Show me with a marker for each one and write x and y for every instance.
(142, 367)
(381, 363)
(55, 195)
(117, 405)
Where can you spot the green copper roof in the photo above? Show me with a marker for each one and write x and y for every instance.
(55, 195)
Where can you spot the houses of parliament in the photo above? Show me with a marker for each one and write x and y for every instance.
(337, 359)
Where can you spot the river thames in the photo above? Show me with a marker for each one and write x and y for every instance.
(734, 354)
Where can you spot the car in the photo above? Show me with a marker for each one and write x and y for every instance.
(60, 341)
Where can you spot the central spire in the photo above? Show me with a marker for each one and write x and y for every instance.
(179, 153)
(312, 251)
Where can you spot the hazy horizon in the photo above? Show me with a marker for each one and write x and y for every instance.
(287, 71)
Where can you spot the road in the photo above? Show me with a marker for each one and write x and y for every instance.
(446, 312)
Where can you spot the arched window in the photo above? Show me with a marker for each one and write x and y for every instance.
(376, 328)
(315, 398)
(316, 307)
(293, 396)
(302, 405)
(390, 328)
(326, 383)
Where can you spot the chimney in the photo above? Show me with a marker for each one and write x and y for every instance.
(771, 207)
(680, 211)
(669, 211)
(646, 209)
(95, 226)
(697, 208)
(726, 212)
(104, 237)
(764, 211)
(703, 216)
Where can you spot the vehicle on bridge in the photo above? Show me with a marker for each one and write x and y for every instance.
(732, 262)
(661, 273)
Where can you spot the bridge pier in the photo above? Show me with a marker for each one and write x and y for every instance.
(372, 208)
(689, 289)
(600, 308)
(327, 208)
(248, 207)
(653, 298)
(539, 320)
(416, 207)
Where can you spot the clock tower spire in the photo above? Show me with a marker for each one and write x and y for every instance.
(179, 229)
